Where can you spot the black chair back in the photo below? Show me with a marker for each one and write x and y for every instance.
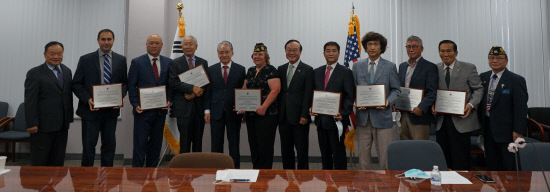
(415, 154)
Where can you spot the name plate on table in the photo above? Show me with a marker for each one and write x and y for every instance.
(450, 102)
(370, 95)
(152, 97)
(105, 96)
(408, 99)
(247, 99)
(196, 76)
(326, 103)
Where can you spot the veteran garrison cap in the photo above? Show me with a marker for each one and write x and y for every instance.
(497, 50)
(260, 47)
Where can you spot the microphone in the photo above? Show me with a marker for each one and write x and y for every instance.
(521, 143)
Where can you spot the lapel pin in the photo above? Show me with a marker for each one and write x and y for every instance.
(502, 86)
(458, 70)
(298, 70)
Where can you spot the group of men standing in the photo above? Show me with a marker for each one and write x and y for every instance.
(496, 94)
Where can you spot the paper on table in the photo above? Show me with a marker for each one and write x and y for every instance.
(228, 174)
(5, 171)
(451, 177)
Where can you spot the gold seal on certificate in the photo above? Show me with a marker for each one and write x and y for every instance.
(196, 76)
(152, 97)
(408, 99)
(248, 99)
(326, 103)
(370, 95)
(109, 95)
(450, 102)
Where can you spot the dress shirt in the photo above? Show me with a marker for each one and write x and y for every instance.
(410, 70)
(51, 67)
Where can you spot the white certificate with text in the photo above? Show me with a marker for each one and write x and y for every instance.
(326, 103)
(152, 97)
(408, 99)
(370, 95)
(109, 95)
(247, 99)
(450, 102)
(196, 76)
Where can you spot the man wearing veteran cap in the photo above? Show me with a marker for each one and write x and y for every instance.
(503, 110)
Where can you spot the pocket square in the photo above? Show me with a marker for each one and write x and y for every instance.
(506, 91)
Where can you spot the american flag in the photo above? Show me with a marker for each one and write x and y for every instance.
(353, 54)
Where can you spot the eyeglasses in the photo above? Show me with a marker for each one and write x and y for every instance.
(185, 45)
(414, 47)
(292, 51)
(497, 58)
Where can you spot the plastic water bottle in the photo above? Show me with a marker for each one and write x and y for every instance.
(435, 176)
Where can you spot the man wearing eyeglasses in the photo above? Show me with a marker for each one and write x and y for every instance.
(188, 103)
(418, 73)
(502, 111)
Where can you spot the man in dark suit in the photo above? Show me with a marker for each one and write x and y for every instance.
(334, 77)
(502, 111)
(148, 70)
(418, 73)
(219, 104)
(188, 105)
(49, 107)
(295, 100)
(103, 66)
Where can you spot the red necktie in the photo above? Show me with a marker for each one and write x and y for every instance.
(191, 66)
(155, 68)
(225, 74)
(327, 75)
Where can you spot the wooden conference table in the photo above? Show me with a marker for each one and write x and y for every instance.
(170, 179)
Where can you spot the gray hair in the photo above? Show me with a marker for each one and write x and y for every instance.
(196, 43)
(225, 43)
(415, 38)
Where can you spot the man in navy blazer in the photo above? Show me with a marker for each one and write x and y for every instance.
(374, 125)
(219, 104)
(418, 73)
(340, 80)
(502, 111)
(103, 66)
(148, 70)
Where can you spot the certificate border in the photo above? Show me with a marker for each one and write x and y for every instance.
(356, 92)
(465, 96)
(413, 107)
(204, 74)
(235, 97)
(165, 94)
(339, 102)
(121, 95)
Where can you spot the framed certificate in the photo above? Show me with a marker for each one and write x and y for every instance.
(152, 97)
(196, 76)
(408, 99)
(370, 96)
(247, 99)
(106, 96)
(326, 103)
(450, 102)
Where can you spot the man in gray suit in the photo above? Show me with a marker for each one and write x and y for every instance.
(374, 124)
(453, 132)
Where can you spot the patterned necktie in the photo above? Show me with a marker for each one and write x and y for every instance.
(492, 91)
(191, 66)
(225, 74)
(289, 74)
(448, 77)
(106, 70)
(371, 71)
(327, 75)
(155, 68)
(59, 76)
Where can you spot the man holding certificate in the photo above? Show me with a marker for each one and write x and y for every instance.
(188, 103)
(418, 73)
(333, 77)
(149, 73)
(100, 69)
(502, 111)
(374, 123)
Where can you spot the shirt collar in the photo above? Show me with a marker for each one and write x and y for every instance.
(333, 65)
(187, 58)
(450, 66)
(375, 61)
(101, 53)
(228, 65)
(499, 74)
(151, 57)
(51, 67)
(415, 62)
(295, 64)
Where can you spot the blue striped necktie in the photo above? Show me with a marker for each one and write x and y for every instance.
(106, 70)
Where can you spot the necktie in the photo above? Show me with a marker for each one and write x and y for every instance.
(448, 76)
(327, 75)
(371, 71)
(59, 76)
(492, 91)
(106, 70)
(289, 74)
(225, 74)
(155, 68)
(191, 66)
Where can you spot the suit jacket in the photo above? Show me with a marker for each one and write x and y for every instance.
(464, 77)
(424, 77)
(220, 96)
(141, 75)
(88, 73)
(340, 81)
(182, 107)
(47, 105)
(296, 98)
(386, 74)
(508, 108)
